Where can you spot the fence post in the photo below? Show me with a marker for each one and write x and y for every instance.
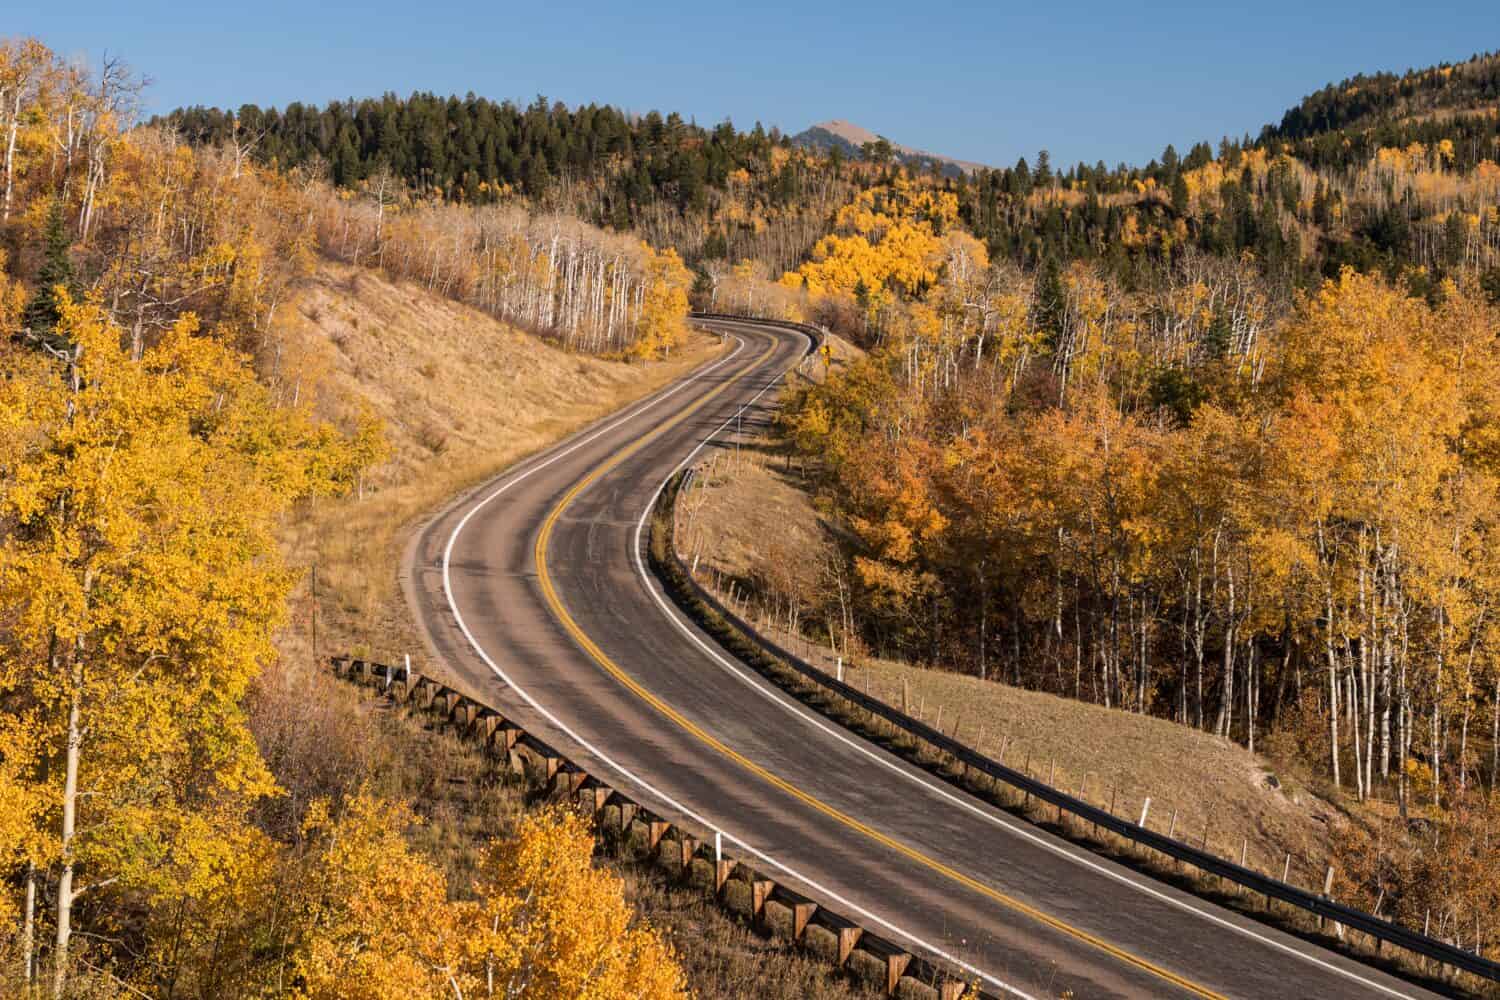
(1052, 783)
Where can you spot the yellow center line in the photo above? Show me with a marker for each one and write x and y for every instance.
(560, 612)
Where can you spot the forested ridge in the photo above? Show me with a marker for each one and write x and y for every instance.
(1375, 172)
(708, 193)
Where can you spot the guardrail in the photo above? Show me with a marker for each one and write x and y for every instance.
(816, 333)
(684, 589)
(772, 907)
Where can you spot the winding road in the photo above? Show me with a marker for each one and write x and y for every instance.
(532, 590)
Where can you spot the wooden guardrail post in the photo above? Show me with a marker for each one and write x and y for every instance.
(655, 830)
(951, 989)
(687, 848)
(848, 938)
(485, 725)
(760, 891)
(895, 968)
(723, 868)
(802, 912)
(404, 688)
(567, 782)
(506, 735)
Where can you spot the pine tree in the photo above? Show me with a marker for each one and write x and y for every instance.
(42, 312)
(1051, 299)
(1179, 193)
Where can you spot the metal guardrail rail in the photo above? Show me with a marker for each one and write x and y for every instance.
(815, 333)
(1320, 906)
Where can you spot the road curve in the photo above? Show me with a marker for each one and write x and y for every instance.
(583, 650)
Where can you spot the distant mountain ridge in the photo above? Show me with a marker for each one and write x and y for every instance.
(850, 139)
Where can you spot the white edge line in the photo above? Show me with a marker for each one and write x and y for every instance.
(625, 772)
(1000, 820)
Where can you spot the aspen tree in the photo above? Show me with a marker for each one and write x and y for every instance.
(142, 584)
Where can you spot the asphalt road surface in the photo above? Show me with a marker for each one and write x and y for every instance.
(583, 650)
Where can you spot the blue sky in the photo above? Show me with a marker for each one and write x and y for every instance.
(986, 82)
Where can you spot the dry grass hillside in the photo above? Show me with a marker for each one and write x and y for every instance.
(755, 529)
(461, 395)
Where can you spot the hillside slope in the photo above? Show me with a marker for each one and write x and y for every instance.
(850, 139)
(461, 395)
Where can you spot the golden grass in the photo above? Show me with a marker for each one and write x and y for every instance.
(462, 395)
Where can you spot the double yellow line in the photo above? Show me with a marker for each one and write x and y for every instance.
(560, 612)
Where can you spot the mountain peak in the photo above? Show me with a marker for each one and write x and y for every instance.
(850, 139)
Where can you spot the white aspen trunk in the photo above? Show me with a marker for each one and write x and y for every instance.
(28, 928)
(66, 840)
(1352, 676)
(10, 151)
(1226, 696)
(1387, 655)
(1495, 738)
(1333, 690)
(1200, 633)
(1437, 711)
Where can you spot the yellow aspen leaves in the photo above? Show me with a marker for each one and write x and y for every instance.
(540, 920)
(142, 583)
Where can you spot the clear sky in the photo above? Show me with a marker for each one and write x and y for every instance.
(987, 82)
